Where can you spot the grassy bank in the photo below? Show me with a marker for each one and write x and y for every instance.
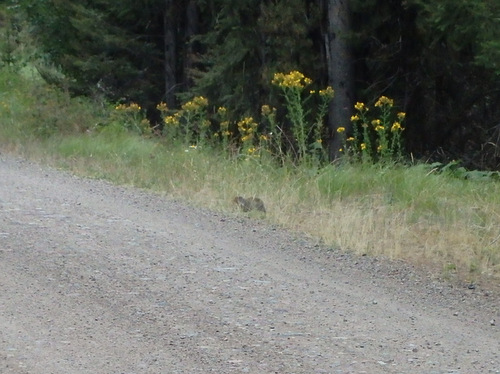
(412, 213)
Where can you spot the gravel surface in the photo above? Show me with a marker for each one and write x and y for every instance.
(96, 278)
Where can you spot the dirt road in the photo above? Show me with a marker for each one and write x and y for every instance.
(102, 279)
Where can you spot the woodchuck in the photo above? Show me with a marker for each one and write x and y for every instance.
(249, 204)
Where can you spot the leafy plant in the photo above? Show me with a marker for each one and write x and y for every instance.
(378, 137)
(455, 169)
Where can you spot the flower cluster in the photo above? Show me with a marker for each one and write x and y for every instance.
(294, 79)
(173, 120)
(327, 93)
(196, 104)
(361, 107)
(162, 107)
(385, 131)
(131, 118)
(384, 101)
(132, 107)
(222, 111)
(247, 128)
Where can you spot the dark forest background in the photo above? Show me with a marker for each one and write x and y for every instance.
(439, 60)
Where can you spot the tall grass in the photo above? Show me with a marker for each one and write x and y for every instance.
(401, 212)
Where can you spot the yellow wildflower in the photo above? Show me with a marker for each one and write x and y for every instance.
(134, 107)
(247, 124)
(379, 128)
(294, 79)
(171, 120)
(162, 107)
(200, 101)
(190, 106)
(379, 148)
(396, 126)
(327, 92)
(278, 79)
(222, 111)
(363, 146)
(265, 110)
(340, 129)
(197, 103)
(384, 100)
(376, 122)
(360, 106)
(354, 118)
(246, 138)
(401, 116)
(350, 139)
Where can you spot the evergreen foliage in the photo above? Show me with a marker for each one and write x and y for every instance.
(437, 59)
(244, 46)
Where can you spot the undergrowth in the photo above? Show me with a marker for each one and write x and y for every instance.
(421, 213)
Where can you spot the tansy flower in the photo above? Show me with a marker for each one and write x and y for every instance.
(401, 116)
(340, 129)
(171, 120)
(360, 106)
(383, 100)
(327, 92)
(294, 79)
(363, 146)
(354, 118)
(265, 110)
(162, 107)
(396, 126)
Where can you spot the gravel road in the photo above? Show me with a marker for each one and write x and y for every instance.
(96, 278)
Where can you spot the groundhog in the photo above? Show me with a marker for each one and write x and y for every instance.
(252, 203)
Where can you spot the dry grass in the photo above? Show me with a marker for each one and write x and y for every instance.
(407, 213)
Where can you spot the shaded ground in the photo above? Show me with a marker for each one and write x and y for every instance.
(102, 279)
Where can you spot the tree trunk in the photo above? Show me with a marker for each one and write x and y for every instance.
(170, 53)
(340, 72)
(192, 23)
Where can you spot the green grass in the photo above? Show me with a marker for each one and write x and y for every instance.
(433, 219)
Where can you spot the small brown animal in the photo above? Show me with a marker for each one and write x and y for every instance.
(252, 203)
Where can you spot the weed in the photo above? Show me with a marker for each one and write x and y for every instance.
(378, 137)
(435, 214)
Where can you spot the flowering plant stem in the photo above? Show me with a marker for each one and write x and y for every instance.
(297, 117)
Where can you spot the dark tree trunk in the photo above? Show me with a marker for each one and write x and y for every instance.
(192, 29)
(170, 53)
(340, 73)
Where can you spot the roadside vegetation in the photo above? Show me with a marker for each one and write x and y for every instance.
(371, 201)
